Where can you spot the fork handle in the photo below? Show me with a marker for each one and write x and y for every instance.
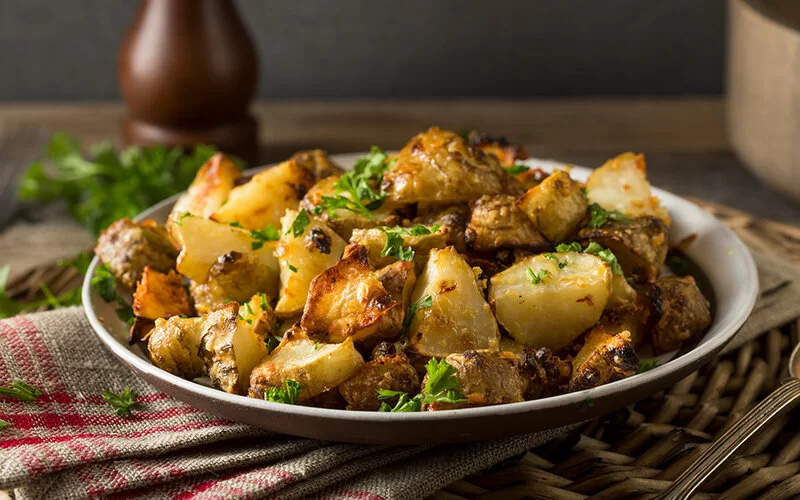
(779, 401)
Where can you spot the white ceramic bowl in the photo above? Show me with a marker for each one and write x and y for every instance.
(725, 260)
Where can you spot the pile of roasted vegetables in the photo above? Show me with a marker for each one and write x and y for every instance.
(445, 276)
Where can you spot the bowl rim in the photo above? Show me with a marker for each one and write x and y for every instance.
(744, 302)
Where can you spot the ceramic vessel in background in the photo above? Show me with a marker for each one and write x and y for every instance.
(188, 71)
(763, 88)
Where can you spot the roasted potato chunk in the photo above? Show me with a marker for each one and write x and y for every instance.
(160, 295)
(257, 312)
(621, 184)
(302, 258)
(486, 377)
(459, 318)
(640, 244)
(556, 206)
(233, 277)
(205, 241)
(440, 167)
(349, 301)
(317, 162)
(546, 373)
(208, 191)
(603, 358)
(499, 147)
(375, 241)
(174, 346)
(548, 302)
(265, 198)
(126, 247)
(454, 219)
(678, 312)
(497, 223)
(230, 349)
(392, 373)
(316, 367)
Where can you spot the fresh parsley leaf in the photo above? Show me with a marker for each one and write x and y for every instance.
(679, 265)
(269, 233)
(605, 254)
(125, 312)
(248, 309)
(184, 215)
(647, 365)
(598, 216)
(5, 425)
(561, 264)
(395, 239)
(272, 342)
(66, 299)
(516, 169)
(286, 395)
(331, 204)
(404, 404)
(20, 390)
(81, 262)
(104, 282)
(536, 277)
(316, 345)
(423, 303)
(300, 222)
(569, 247)
(291, 267)
(263, 301)
(108, 186)
(236, 224)
(122, 403)
(442, 385)
(362, 184)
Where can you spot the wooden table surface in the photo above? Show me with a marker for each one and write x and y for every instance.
(684, 140)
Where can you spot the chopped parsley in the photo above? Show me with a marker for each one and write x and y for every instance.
(248, 309)
(272, 342)
(122, 403)
(105, 284)
(263, 301)
(291, 267)
(569, 247)
(404, 403)
(298, 227)
(516, 169)
(561, 264)
(362, 186)
(647, 365)
(424, 302)
(20, 390)
(184, 215)
(316, 345)
(594, 249)
(286, 395)
(269, 233)
(80, 262)
(441, 386)
(395, 238)
(5, 425)
(536, 277)
(598, 216)
(679, 265)
(236, 224)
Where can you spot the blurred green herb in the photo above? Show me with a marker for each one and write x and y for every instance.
(20, 390)
(122, 403)
(679, 265)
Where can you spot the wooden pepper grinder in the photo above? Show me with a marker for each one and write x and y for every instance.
(188, 71)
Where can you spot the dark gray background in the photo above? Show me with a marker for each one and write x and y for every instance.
(53, 49)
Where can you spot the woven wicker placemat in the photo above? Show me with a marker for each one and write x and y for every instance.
(635, 452)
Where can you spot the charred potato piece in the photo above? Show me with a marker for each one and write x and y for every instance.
(208, 191)
(317, 162)
(160, 295)
(316, 367)
(547, 374)
(375, 241)
(454, 219)
(631, 318)
(126, 247)
(621, 184)
(640, 244)
(499, 147)
(205, 241)
(486, 378)
(678, 312)
(548, 302)
(233, 277)
(603, 358)
(392, 373)
(174, 346)
(531, 178)
(302, 258)
(230, 349)
(622, 293)
(265, 198)
(440, 167)
(459, 318)
(343, 221)
(556, 206)
(258, 313)
(497, 223)
(349, 301)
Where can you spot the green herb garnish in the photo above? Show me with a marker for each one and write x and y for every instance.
(679, 265)
(516, 169)
(5, 425)
(291, 267)
(269, 233)
(20, 390)
(395, 238)
(122, 403)
(404, 404)
(286, 395)
(598, 216)
(362, 186)
(569, 247)
(647, 365)
(561, 264)
(272, 342)
(442, 385)
(536, 277)
(594, 249)
(263, 301)
(81, 262)
(104, 282)
(299, 225)
(424, 302)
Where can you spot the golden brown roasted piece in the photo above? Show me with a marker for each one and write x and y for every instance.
(454, 219)
(375, 241)
(317, 162)
(233, 277)
(603, 358)
(631, 318)
(547, 374)
(349, 300)
(440, 167)
(498, 223)
(258, 313)
(174, 346)
(639, 243)
(499, 147)
(392, 372)
(126, 247)
(486, 378)
(678, 312)
(556, 206)
(160, 295)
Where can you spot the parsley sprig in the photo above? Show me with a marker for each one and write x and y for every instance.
(9, 307)
(441, 386)
(104, 282)
(595, 249)
(598, 216)
(647, 365)
(561, 264)
(299, 225)
(123, 403)
(272, 342)
(5, 424)
(536, 277)
(423, 303)
(261, 236)
(286, 395)
(20, 390)
(516, 169)
(395, 239)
